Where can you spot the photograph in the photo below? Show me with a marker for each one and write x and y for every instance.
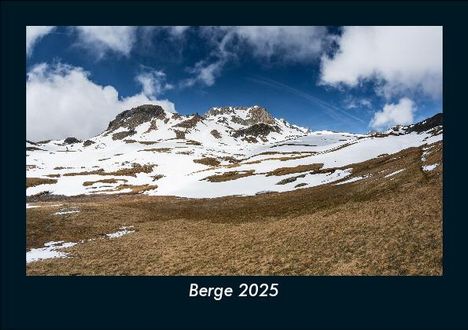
(234, 150)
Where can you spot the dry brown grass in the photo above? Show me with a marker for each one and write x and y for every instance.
(164, 150)
(137, 189)
(228, 176)
(98, 172)
(379, 226)
(282, 159)
(32, 182)
(295, 169)
(131, 171)
(208, 161)
(90, 183)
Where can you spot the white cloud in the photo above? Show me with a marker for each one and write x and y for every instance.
(101, 40)
(205, 73)
(281, 43)
(153, 82)
(34, 34)
(62, 101)
(289, 43)
(357, 103)
(401, 59)
(394, 114)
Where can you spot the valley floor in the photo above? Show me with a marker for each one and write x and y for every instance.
(388, 223)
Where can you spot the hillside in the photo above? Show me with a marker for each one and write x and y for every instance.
(259, 197)
(228, 151)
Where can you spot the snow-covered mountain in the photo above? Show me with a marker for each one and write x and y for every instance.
(227, 151)
(233, 126)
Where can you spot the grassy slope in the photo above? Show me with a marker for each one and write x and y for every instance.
(377, 226)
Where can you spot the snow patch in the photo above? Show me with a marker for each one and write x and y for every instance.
(394, 173)
(428, 168)
(49, 251)
(121, 232)
(63, 212)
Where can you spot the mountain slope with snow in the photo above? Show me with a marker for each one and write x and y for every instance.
(227, 151)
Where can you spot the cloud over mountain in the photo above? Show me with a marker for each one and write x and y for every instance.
(400, 113)
(62, 100)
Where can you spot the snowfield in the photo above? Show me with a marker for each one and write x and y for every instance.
(193, 161)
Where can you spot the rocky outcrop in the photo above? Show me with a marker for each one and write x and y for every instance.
(132, 118)
(71, 140)
(425, 125)
(261, 115)
(215, 134)
(122, 135)
(190, 123)
(87, 143)
(256, 130)
(254, 115)
(179, 134)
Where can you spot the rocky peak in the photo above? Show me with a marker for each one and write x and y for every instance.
(425, 125)
(261, 115)
(71, 140)
(433, 125)
(244, 115)
(137, 116)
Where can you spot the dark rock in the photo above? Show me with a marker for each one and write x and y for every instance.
(87, 143)
(261, 115)
(256, 130)
(122, 135)
(137, 116)
(190, 123)
(180, 134)
(425, 125)
(250, 139)
(256, 115)
(153, 126)
(34, 149)
(216, 134)
(71, 140)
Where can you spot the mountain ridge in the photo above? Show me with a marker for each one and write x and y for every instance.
(226, 151)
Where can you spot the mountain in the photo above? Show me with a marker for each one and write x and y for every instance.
(226, 125)
(226, 151)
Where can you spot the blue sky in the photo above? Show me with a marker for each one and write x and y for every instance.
(339, 78)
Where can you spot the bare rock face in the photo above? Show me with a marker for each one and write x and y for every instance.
(256, 130)
(216, 134)
(190, 123)
(87, 143)
(261, 115)
(122, 135)
(433, 125)
(179, 134)
(137, 116)
(71, 140)
(255, 115)
(425, 125)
